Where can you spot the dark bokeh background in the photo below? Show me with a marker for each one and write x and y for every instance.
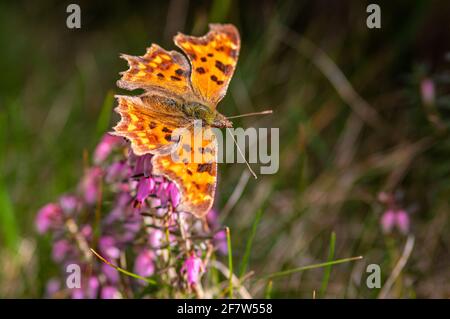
(346, 98)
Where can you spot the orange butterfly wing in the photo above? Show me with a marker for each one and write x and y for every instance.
(193, 167)
(158, 69)
(148, 130)
(213, 58)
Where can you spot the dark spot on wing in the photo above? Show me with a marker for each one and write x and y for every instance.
(189, 171)
(166, 130)
(165, 65)
(160, 75)
(210, 55)
(168, 137)
(206, 167)
(179, 72)
(175, 78)
(203, 59)
(200, 70)
(214, 78)
(225, 69)
(152, 125)
(192, 56)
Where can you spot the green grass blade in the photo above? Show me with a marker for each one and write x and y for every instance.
(299, 269)
(268, 292)
(123, 271)
(105, 114)
(248, 247)
(327, 272)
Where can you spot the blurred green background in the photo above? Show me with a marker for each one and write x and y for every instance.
(346, 98)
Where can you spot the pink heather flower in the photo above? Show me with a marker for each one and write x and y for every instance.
(220, 242)
(105, 147)
(110, 273)
(120, 208)
(69, 203)
(107, 245)
(49, 217)
(144, 265)
(91, 184)
(212, 218)
(52, 287)
(395, 218)
(117, 171)
(92, 287)
(143, 164)
(131, 228)
(402, 221)
(384, 197)
(144, 189)
(155, 238)
(388, 221)
(174, 194)
(162, 193)
(157, 205)
(86, 231)
(220, 238)
(427, 91)
(192, 266)
(61, 250)
(110, 292)
(77, 293)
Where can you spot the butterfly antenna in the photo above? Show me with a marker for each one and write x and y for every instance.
(251, 114)
(242, 154)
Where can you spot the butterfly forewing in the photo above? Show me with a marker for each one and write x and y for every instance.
(158, 69)
(213, 58)
(148, 130)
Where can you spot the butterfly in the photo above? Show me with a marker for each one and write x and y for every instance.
(178, 93)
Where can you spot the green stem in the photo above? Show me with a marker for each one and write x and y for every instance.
(299, 269)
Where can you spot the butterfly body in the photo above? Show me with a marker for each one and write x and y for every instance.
(197, 111)
(178, 93)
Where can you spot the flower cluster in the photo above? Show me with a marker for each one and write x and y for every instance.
(394, 216)
(128, 217)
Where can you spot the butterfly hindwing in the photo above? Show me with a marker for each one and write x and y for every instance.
(193, 167)
(213, 59)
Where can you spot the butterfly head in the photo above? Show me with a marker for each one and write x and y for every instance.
(211, 117)
(221, 121)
